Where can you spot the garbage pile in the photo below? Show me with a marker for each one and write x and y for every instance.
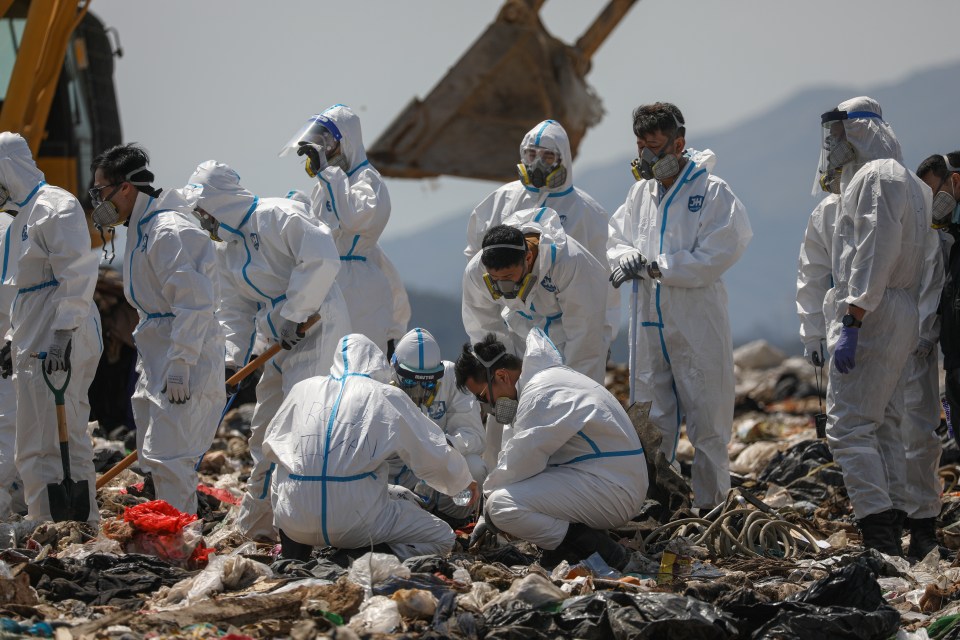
(780, 559)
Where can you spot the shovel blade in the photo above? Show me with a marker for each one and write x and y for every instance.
(69, 500)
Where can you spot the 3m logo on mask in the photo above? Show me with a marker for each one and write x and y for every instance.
(547, 284)
(695, 203)
(329, 207)
(23, 235)
(255, 239)
(437, 410)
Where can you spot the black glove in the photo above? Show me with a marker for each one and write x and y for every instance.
(316, 157)
(6, 361)
(483, 530)
(246, 383)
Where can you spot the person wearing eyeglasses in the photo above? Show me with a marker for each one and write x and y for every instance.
(430, 383)
(679, 230)
(332, 441)
(50, 262)
(170, 276)
(573, 465)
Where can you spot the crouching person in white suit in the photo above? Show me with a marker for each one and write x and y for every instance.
(573, 465)
(331, 441)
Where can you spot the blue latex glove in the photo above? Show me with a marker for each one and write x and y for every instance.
(844, 356)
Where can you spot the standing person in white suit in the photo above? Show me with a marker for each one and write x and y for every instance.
(55, 276)
(352, 199)
(430, 383)
(11, 487)
(278, 270)
(881, 241)
(332, 441)
(679, 230)
(170, 277)
(546, 179)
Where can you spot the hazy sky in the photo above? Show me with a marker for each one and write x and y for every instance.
(232, 80)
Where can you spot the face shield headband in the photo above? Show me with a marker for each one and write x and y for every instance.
(504, 409)
(509, 289)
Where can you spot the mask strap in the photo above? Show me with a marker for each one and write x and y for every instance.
(103, 239)
(515, 247)
(950, 167)
(136, 183)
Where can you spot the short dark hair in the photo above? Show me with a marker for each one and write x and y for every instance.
(936, 165)
(468, 367)
(503, 257)
(117, 162)
(659, 116)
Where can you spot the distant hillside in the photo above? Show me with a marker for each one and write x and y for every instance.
(769, 160)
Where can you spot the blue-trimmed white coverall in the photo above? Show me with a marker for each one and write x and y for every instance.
(331, 442)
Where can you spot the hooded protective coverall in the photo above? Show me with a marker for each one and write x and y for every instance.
(276, 263)
(879, 247)
(581, 217)
(11, 488)
(355, 205)
(171, 278)
(573, 455)
(55, 276)
(332, 440)
(458, 416)
(922, 410)
(694, 231)
(570, 285)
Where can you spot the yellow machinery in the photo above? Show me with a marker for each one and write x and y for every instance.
(56, 86)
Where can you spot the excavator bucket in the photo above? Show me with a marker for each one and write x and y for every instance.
(514, 76)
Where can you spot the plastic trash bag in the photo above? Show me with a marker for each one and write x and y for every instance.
(415, 603)
(532, 590)
(373, 568)
(852, 586)
(378, 614)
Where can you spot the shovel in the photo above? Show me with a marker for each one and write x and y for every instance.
(70, 499)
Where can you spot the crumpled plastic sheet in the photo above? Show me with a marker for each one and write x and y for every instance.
(372, 568)
(378, 614)
(222, 573)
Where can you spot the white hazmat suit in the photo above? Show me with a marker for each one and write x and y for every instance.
(571, 285)
(694, 231)
(581, 217)
(332, 440)
(170, 276)
(277, 263)
(573, 455)
(879, 247)
(11, 487)
(355, 205)
(55, 276)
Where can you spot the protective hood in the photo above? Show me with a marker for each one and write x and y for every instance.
(18, 171)
(546, 222)
(551, 135)
(705, 159)
(351, 136)
(298, 196)
(872, 138)
(215, 187)
(357, 354)
(540, 354)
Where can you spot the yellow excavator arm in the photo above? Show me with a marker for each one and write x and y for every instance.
(36, 70)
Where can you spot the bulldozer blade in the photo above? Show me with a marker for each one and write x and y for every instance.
(471, 124)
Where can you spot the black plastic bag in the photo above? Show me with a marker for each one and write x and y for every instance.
(802, 621)
(853, 586)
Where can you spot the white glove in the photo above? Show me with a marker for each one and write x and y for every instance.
(176, 382)
(58, 353)
(813, 352)
(618, 277)
(632, 264)
(924, 347)
(290, 334)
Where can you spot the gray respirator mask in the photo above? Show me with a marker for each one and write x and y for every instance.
(105, 213)
(504, 409)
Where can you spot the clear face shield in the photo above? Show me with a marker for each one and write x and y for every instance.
(541, 167)
(835, 150)
(321, 131)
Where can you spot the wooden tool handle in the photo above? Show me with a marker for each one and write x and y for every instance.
(274, 349)
(115, 471)
(62, 423)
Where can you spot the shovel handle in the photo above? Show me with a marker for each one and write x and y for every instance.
(58, 392)
(273, 350)
(116, 469)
